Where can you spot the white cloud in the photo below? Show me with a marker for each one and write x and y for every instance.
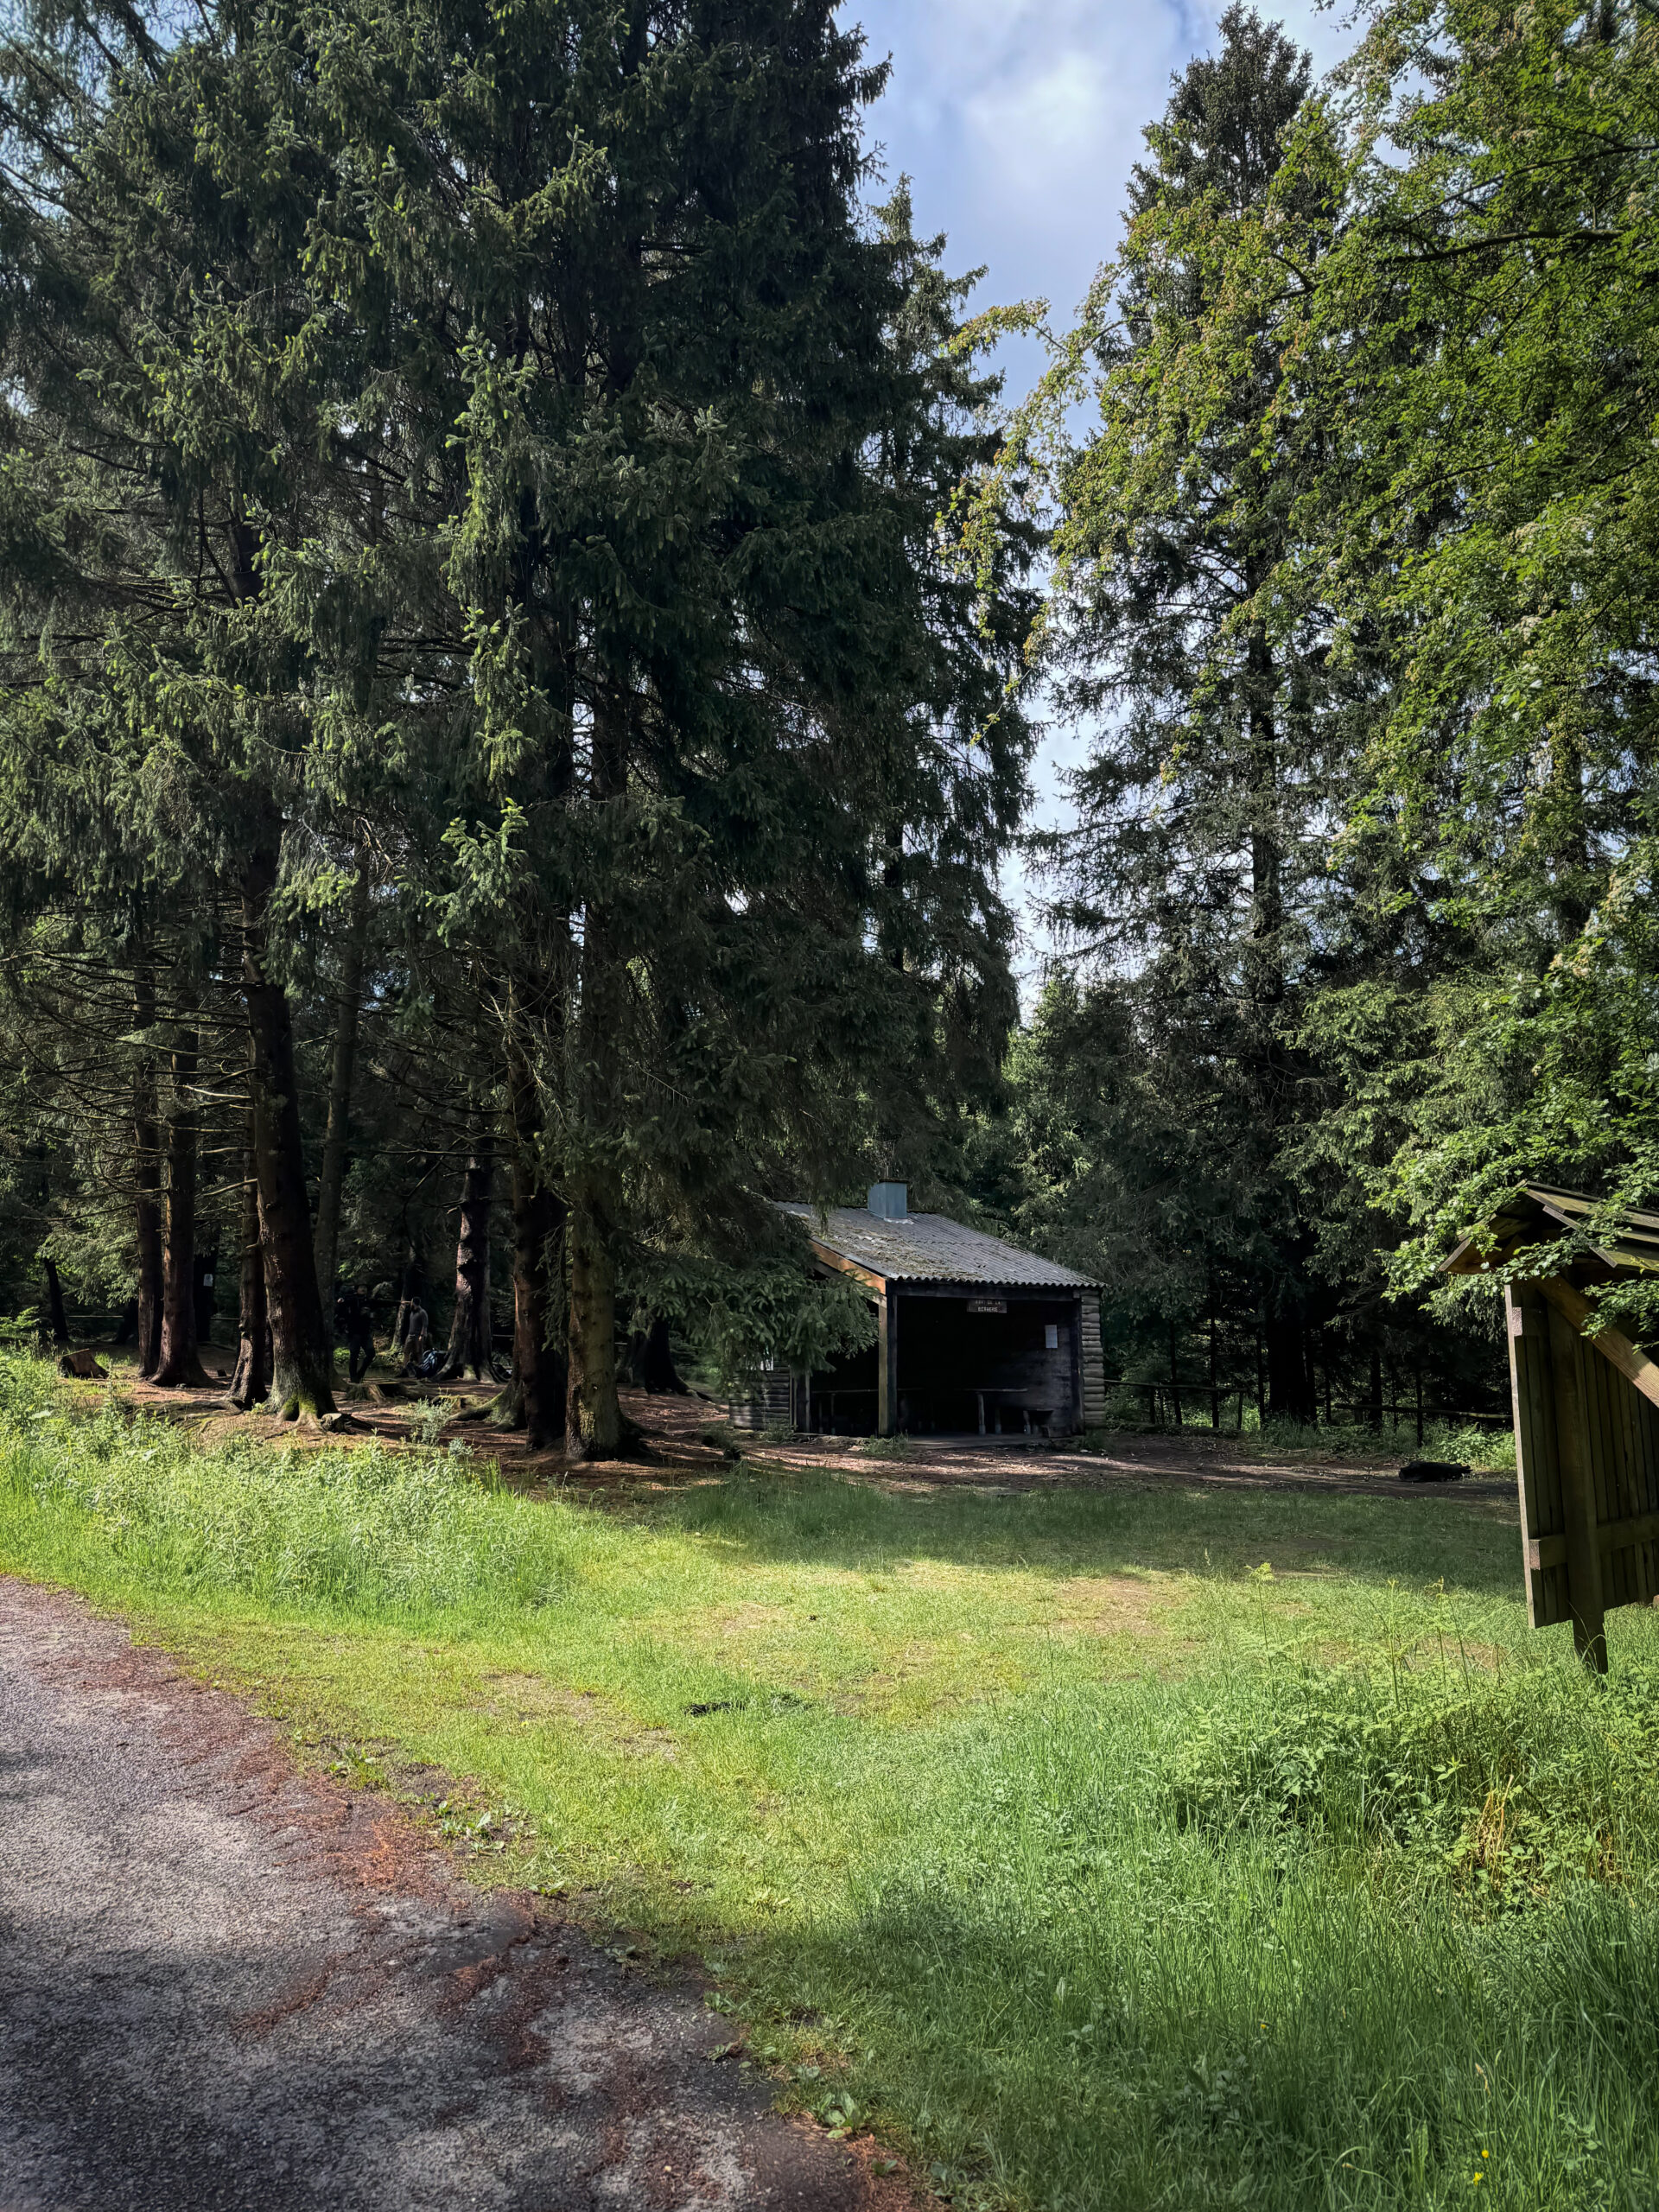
(1036, 132)
(1019, 120)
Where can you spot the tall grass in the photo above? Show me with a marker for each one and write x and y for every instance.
(1102, 1863)
(370, 1532)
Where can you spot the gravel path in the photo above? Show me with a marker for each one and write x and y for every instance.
(223, 1985)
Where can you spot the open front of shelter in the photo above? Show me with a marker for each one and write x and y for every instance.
(974, 1337)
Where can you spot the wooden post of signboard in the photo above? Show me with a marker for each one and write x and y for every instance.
(1579, 1514)
(1539, 1475)
(1586, 1411)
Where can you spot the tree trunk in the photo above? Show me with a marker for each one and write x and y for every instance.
(147, 1150)
(251, 1383)
(1264, 952)
(179, 1367)
(536, 1394)
(650, 1360)
(1317, 1351)
(331, 1181)
(57, 1319)
(302, 1362)
(1290, 1374)
(1570, 857)
(594, 1425)
(472, 1339)
(1174, 1378)
(1374, 1411)
(1290, 1385)
(534, 1399)
(592, 1419)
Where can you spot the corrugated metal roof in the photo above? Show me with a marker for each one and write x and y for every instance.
(1541, 1212)
(929, 1247)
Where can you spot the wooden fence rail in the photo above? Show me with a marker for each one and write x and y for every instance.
(1390, 1411)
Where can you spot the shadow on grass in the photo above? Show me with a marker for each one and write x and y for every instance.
(1252, 2040)
(1417, 1540)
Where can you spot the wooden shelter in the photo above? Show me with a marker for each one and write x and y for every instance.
(1586, 1414)
(974, 1337)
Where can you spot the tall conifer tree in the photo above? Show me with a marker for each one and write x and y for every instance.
(183, 425)
(1194, 882)
(525, 442)
(719, 671)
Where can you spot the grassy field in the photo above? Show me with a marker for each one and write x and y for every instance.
(1116, 1847)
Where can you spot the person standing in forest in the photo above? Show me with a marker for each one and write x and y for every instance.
(417, 1338)
(355, 1325)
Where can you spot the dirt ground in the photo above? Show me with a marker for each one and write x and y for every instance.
(1191, 1459)
(678, 1449)
(230, 1987)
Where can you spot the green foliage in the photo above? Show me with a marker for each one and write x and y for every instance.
(1499, 346)
(1501, 1781)
(1183, 1129)
(428, 1419)
(773, 1311)
(499, 465)
(1356, 563)
(1487, 1447)
(886, 1447)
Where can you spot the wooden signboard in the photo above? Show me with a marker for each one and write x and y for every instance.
(1586, 1444)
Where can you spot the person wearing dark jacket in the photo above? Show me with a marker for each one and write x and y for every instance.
(355, 1322)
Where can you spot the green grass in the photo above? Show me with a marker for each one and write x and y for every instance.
(1113, 1847)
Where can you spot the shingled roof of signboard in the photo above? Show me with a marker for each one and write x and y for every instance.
(1626, 1239)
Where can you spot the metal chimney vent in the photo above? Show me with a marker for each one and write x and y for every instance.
(890, 1201)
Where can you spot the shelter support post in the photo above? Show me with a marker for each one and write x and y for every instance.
(886, 1366)
(1578, 1493)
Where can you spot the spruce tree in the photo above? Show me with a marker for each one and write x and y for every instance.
(719, 672)
(524, 445)
(1193, 883)
(1489, 330)
(179, 391)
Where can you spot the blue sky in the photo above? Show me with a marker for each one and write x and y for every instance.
(1017, 122)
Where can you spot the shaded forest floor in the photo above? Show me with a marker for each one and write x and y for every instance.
(690, 1439)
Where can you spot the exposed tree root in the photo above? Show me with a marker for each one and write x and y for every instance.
(632, 1445)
